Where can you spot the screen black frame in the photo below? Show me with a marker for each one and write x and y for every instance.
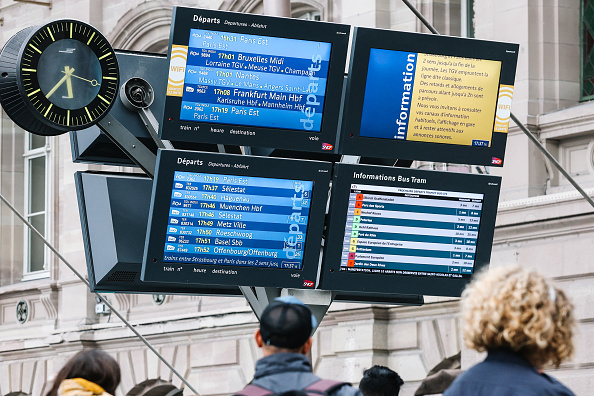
(364, 39)
(185, 19)
(334, 279)
(114, 265)
(237, 165)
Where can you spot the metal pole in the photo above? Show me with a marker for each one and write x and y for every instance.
(421, 17)
(527, 132)
(144, 340)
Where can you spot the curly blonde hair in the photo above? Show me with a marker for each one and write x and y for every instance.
(512, 308)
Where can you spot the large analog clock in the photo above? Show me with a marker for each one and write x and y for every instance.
(59, 77)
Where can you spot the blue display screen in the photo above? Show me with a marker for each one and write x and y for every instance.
(237, 220)
(386, 98)
(259, 81)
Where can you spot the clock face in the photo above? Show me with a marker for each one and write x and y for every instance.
(72, 74)
(68, 75)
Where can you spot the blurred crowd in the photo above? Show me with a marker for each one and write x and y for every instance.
(523, 323)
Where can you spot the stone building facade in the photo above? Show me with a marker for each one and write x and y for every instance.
(542, 222)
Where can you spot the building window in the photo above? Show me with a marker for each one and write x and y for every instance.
(36, 156)
(587, 41)
(308, 15)
(12, 188)
(467, 18)
(449, 17)
(24, 170)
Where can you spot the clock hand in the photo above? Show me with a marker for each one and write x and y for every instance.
(69, 84)
(68, 71)
(94, 83)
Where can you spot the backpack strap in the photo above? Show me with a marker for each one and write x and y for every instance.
(325, 386)
(253, 390)
(321, 386)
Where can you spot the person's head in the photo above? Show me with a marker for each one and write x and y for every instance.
(286, 325)
(380, 381)
(516, 309)
(92, 365)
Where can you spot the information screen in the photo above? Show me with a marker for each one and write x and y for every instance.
(235, 220)
(440, 99)
(395, 230)
(409, 94)
(244, 79)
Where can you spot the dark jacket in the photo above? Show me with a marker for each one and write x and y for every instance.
(505, 373)
(282, 372)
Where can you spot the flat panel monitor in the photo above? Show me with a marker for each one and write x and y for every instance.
(253, 80)
(114, 211)
(236, 220)
(408, 231)
(427, 97)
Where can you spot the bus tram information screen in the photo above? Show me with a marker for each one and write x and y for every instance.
(392, 230)
(237, 220)
(411, 231)
(244, 79)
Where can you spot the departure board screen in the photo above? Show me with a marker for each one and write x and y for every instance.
(253, 80)
(427, 97)
(397, 230)
(235, 220)
(243, 79)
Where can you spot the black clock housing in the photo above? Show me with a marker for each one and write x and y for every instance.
(58, 77)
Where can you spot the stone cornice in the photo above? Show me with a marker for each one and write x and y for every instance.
(411, 313)
(544, 200)
(543, 216)
(29, 287)
(544, 228)
(161, 333)
(236, 322)
(571, 122)
(364, 313)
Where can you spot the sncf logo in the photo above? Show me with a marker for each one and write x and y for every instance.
(327, 146)
(496, 161)
(307, 283)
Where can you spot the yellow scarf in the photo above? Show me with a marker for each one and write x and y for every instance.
(80, 387)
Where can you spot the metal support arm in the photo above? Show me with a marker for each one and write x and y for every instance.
(318, 301)
(129, 144)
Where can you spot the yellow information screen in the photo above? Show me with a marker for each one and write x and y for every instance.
(433, 98)
(455, 99)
